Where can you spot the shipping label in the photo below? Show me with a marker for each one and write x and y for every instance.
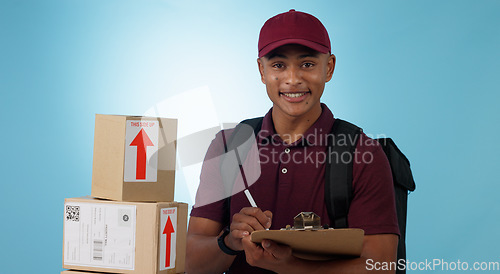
(99, 235)
(141, 151)
(168, 238)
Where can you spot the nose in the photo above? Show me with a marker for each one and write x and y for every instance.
(293, 76)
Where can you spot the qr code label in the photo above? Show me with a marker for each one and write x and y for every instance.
(73, 213)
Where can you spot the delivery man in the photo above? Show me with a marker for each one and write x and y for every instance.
(295, 62)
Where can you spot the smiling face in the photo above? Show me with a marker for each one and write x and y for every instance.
(295, 78)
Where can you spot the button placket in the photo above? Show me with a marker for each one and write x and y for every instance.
(287, 151)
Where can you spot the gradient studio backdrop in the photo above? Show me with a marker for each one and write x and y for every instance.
(422, 72)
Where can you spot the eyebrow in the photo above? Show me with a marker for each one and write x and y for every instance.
(278, 55)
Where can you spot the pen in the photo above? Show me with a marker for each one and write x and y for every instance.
(251, 200)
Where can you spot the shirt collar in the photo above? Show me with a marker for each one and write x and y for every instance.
(315, 135)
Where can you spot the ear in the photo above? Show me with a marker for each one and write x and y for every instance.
(261, 70)
(330, 67)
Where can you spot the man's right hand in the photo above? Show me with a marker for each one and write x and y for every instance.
(203, 254)
(249, 219)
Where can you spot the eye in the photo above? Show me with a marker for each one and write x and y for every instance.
(308, 65)
(278, 65)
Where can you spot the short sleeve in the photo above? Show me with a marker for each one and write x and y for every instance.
(210, 197)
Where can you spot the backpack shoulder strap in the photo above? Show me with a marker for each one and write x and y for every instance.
(338, 174)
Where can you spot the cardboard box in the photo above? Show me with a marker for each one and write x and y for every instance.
(134, 158)
(124, 237)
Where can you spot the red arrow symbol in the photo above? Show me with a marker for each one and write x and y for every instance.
(169, 229)
(141, 141)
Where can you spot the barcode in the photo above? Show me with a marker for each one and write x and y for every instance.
(97, 255)
(73, 213)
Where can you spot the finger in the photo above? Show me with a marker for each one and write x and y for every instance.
(251, 250)
(233, 240)
(263, 219)
(241, 223)
(253, 217)
(269, 214)
(248, 244)
(239, 234)
(278, 251)
(245, 222)
(252, 247)
(254, 253)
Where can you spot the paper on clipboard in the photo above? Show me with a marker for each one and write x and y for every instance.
(316, 244)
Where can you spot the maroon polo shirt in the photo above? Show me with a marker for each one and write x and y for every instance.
(292, 178)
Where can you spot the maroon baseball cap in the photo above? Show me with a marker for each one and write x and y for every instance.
(293, 27)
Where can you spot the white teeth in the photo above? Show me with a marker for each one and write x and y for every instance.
(293, 95)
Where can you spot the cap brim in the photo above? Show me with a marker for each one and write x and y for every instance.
(313, 45)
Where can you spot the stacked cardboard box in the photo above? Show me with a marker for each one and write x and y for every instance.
(130, 223)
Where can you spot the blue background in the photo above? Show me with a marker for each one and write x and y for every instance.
(422, 72)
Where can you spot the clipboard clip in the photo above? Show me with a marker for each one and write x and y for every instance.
(306, 221)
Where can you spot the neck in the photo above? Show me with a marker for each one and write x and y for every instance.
(292, 128)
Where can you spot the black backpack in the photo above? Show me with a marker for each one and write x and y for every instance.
(338, 174)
